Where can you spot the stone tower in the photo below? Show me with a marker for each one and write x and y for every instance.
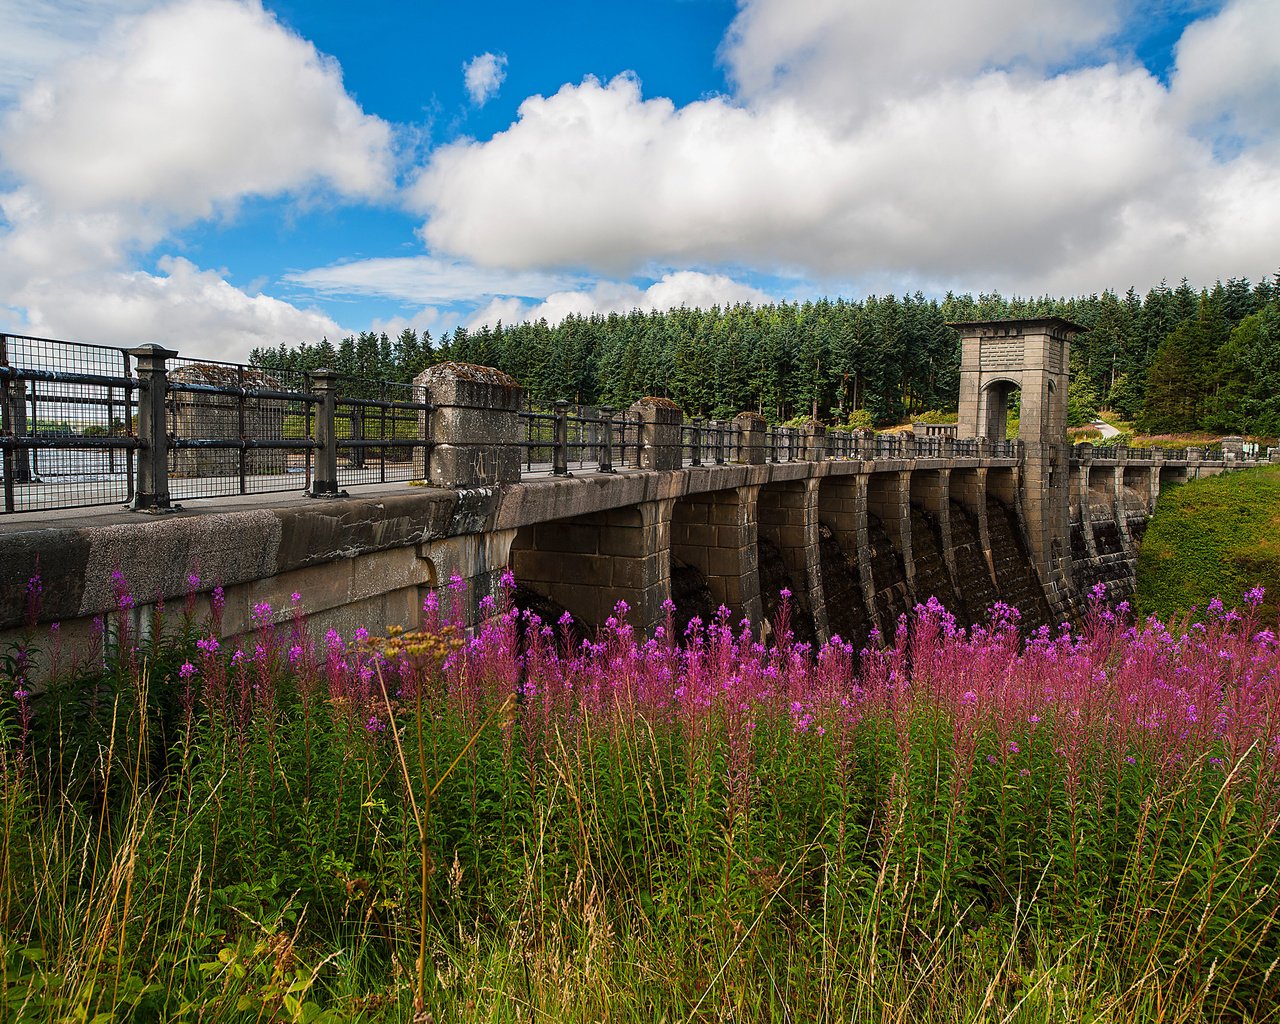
(1031, 356)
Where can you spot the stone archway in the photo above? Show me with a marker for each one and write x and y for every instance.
(993, 406)
(1033, 356)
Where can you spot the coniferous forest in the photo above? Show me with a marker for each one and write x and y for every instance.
(1175, 360)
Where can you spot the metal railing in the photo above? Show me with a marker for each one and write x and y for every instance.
(381, 428)
(67, 424)
(560, 439)
(237, 429)
(86, 425)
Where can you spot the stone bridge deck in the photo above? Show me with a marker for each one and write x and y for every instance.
(857, 540)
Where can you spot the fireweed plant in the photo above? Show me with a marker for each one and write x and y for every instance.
(515, 822)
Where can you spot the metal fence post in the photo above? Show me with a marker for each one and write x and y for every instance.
(324, 484)
(606, 448)
(152, 491)
(695, 448)
(560, 454)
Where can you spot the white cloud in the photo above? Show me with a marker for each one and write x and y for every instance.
(193, 310)
(978, 165)
(483, 76)
(173, 116)
(159, 121)
(38, 34)
(1228, 72)
(427, 280)
(842, 56)
(679, 288)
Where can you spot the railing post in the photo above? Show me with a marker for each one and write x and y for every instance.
(13, 409)
(754, 439)
(814, 442)
(606, 449)
(152, 491)
(324, 484)
(660, 428)
(560, 451)
(717, 434)
(475, 425)
(695, 448)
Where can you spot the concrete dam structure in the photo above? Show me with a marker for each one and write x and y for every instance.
(642, 507)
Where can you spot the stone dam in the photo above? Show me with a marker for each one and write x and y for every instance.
(858, 527)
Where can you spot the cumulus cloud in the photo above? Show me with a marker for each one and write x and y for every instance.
(38, 35)
(1228, 73)
(156, 128)
(195, 310)
(838, 57)
(159, 121)
(855, 149)
(484, 75)
(427, 280)
(680, 288)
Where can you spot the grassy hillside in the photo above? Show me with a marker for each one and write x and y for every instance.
(1213, 537)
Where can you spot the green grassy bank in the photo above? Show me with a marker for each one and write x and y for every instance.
(1213, 538)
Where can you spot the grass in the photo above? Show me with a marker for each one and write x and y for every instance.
(968, 825)
(1212, 538)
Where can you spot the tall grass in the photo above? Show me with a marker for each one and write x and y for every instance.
(520, 824)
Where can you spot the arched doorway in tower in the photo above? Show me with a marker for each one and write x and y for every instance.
(1001, 402)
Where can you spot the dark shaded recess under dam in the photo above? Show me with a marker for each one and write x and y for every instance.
(976, 591)
(549, 611)
(889, 575)
(691, 595)
(846, 612)
(933, 579)
(1016, 579)
(774, 576)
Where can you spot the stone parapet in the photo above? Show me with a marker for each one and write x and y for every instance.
(752, 438)
(813, 442)
(660, 422)
(475, 425)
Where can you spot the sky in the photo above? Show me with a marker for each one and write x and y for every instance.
(216, 175)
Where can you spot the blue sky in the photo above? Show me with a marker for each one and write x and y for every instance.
(220, 174)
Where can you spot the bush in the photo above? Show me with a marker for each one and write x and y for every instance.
(966, 824)
(936, 416)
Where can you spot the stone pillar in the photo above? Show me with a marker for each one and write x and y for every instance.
(1232, 449)
(752, 432)
(1120, 511)
(788, 516)
(151, 494)
(932, 488)
(843, 507)
(475, 425)
(716, 533)
(969, 488)
(1082, 476)
(660, 422)
(813, 442)
(889, 499)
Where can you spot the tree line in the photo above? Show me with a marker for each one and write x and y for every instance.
(1176, 359)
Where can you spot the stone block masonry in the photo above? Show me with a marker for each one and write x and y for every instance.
(880, 521)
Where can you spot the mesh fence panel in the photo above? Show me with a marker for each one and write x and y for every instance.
(68, 424)
(237, 429)
(371, 413)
